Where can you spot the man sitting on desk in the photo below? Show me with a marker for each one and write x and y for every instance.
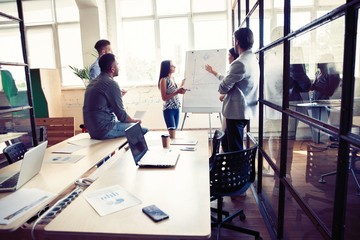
(103, 111)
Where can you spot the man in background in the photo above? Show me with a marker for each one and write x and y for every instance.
(102, 47)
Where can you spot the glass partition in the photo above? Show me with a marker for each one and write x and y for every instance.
(356, 108)
(316, 72)
(353, 194)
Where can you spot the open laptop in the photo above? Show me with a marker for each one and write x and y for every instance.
(144, 157)
(30, 166)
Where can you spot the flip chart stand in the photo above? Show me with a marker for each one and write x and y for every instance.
(210, 134)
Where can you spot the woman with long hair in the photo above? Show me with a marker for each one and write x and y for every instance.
(169, 93)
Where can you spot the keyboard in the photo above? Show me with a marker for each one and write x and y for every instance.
(11, 182)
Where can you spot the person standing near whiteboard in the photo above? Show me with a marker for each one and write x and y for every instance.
(170, 94)
(241, 88)
(232, 55)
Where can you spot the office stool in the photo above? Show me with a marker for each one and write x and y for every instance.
(353, 159)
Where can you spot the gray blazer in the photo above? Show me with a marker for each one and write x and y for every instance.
(241, 87)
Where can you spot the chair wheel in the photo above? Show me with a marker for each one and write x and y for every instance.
(242, 217)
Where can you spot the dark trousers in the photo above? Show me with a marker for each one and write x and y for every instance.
(234, 135)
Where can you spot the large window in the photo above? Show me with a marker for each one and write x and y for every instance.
(158, 30)
(47, 33)
(166, 30)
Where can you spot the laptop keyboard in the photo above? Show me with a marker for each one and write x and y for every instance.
(11, 182)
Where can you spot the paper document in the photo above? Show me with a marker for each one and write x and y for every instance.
(182, 141)
(65, 158)
(111, 199)
(18, 203)
(69, 148)
(85, 142)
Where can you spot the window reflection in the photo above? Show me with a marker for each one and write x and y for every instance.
(356, 108)
(12, 87)
(8, 89)
(320, 51)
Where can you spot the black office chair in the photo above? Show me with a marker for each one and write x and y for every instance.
(14, 152)
(216, 142)
(232, 173)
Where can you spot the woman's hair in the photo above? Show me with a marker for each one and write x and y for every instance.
(164, 70)
(245, 38)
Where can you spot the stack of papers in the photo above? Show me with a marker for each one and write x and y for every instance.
(65, 158)
(20, 202)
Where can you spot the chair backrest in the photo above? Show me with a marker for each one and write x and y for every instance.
(216, 141)
(232, 173)
(57, 128)
(14, 152)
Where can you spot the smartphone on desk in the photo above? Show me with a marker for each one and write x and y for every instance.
(155, 213)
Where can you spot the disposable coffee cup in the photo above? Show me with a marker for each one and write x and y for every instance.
(165, 140)
(172, 133)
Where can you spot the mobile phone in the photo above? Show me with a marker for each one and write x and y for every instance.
(155, 213)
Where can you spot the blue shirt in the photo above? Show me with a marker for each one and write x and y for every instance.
(94, 70)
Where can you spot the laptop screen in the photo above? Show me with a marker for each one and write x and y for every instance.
(136, 141)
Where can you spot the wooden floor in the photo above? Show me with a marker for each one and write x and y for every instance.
(253, 221)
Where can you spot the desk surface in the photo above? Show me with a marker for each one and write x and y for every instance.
(57, 178)
(182, 192)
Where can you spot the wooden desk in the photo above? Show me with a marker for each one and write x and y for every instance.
(182, 192)
(57, 178)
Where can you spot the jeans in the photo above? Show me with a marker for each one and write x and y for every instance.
(171, 117)
(119, 130)
(234, 135)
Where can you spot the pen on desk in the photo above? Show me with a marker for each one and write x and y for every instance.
(25, 208)
(188, 149)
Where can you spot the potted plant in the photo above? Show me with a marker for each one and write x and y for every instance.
(82, 73)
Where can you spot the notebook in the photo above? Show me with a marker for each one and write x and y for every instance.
(144, 157)
(30, 166)
(180, 141)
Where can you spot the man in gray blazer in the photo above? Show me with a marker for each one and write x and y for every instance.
(241, 88)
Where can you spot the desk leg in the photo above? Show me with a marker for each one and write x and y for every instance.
(316, 113)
